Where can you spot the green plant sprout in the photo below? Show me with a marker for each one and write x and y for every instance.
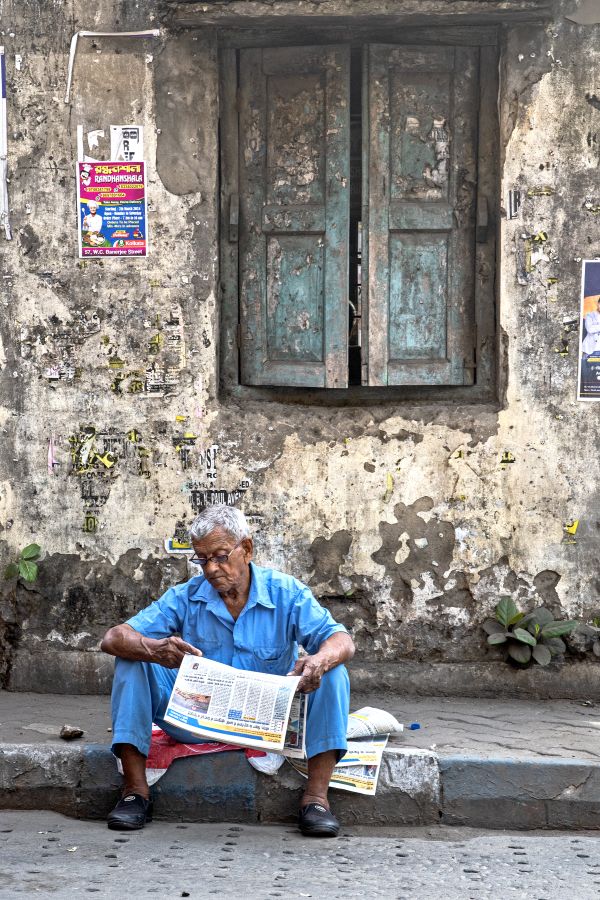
(532, 637)
(25, 566)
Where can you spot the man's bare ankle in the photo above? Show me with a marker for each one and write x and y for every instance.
(141, 789)
(314, 798)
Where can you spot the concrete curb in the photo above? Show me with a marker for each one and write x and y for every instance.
(516, 793)
(574, 680)
(416, 787)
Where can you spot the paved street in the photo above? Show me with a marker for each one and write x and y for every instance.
(47, 855)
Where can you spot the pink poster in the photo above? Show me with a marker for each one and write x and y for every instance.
(112, 209)
(589, 332)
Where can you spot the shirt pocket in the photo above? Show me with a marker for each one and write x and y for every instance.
(209, 648)
(272, 660)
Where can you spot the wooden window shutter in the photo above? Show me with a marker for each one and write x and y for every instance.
(294, 213)
(420, 197)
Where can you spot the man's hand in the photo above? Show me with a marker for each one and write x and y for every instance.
(334, 650)
(124, 641)
(169, 652)
(312, 669)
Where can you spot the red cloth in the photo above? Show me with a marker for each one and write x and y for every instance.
(164, 749)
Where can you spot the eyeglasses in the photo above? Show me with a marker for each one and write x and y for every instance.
(220, 558)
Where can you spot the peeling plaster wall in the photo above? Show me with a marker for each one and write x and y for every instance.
(403, 518)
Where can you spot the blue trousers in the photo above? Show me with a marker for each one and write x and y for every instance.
(141, 692)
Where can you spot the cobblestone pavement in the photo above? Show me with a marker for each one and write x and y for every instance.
(44, 854)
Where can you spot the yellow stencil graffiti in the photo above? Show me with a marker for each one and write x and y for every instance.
(389, 488)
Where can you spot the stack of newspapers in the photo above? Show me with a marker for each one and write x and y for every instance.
(266, 712)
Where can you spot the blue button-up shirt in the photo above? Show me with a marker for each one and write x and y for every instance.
(280, 614)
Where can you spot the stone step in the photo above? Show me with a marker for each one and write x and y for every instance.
(416, 787)
(63, 671)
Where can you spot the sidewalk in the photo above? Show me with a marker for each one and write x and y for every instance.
(476, 762)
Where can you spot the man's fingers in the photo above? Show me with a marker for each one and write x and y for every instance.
(298, 668)
(187, 648)
(309, 683)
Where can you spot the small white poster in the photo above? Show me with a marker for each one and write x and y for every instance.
(127, 143)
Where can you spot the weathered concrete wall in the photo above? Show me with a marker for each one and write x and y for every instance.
(114, 328)
(402, 517)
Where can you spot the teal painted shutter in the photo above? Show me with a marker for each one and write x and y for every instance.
(419, 211)
(294, 210)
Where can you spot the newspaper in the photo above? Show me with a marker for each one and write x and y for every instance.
(365, 722)
(266, 712)
(295, 737)
(364, 753)
(370, 721)
(358, 769)
(250, 709)
(356, 779)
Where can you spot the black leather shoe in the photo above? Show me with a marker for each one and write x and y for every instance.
(131, 812)
(315, 820)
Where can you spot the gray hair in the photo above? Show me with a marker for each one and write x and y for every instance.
(230, 519)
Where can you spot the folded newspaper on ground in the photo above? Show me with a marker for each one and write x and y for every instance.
(358, 770)
(371, 721)
(364, 752)
(250, 709)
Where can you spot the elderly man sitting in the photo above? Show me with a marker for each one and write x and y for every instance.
(243, 615)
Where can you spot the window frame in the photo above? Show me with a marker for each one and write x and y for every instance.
(486, 263)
